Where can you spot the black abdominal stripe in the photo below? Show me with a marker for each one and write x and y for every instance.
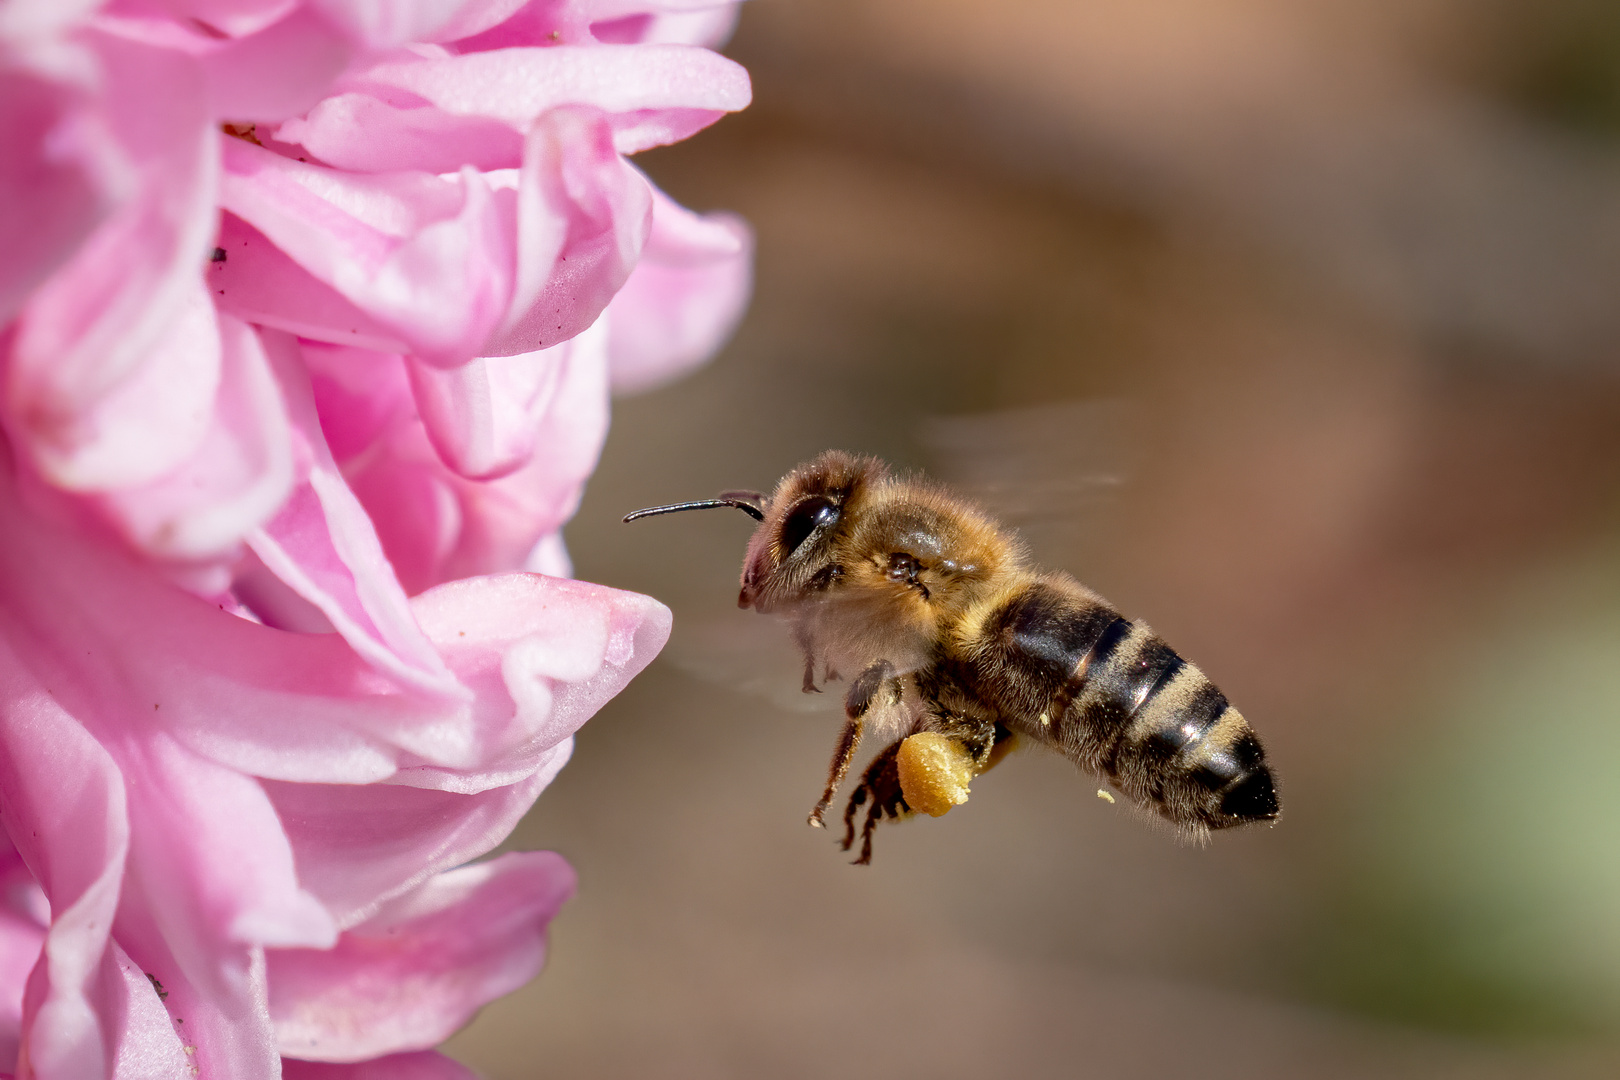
(1112, 696)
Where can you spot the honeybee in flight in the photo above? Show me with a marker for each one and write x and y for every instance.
(957, 648)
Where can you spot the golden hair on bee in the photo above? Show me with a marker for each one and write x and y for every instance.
(956, 648)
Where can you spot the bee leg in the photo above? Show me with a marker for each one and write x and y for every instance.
(856, 705)
(856, 799)
(866, 837)
(881, 785)
(1006, 742)
(801, 638)
(843, 753)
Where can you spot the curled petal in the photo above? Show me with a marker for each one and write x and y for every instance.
(323, 546)
(212, 855)
(573, 646)
(435, 524)
(545, 22)
(653, 94)
(583, 214)
(259, 283)
(368, 134)
(358, 845)
(479, 415)
(683, 299)
(537, 657)
(415, 972)
(486, 418)
(429, 258)
(113, 632)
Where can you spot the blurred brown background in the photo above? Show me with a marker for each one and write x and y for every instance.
(1293, 328)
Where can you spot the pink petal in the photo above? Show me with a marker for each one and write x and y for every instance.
(206, 20)
(574, 179)
(63, 165)
(232, 480)
(422, 966)
(198, 849)
(472, 415)
(21, 20)
(358, 845)
(324, 547)
(258, 283)
(360, 395)
(277, 72)
(710, 27)
(365, 133)
(62, 800)
(549, 556)
(295, 706)
(683, 299)
(545, 22)
(486, 417)
(654, 94)
(149, 422)
(381, 23)
(536, 655)
(97, 319)
(210, 855)
(210, 880)
(601, 10)
(537, 22)
(424, 1065)
(429, 258)
(560, 649)
(434, 524)
(24, 914)
(213, 997)
(147, 1043)
(476, 17)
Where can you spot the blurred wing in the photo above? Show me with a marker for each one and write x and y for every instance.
(1049, 471)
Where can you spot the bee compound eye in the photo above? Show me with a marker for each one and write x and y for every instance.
(805, 518)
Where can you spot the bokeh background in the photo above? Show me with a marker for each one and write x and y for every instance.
(1291, 326)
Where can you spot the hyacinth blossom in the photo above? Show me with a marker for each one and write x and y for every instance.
(309, 311)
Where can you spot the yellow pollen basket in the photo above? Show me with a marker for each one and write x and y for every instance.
(934, 772)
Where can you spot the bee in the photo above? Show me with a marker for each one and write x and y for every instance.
(957, 648)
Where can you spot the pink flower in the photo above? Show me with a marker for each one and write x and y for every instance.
(341, 370)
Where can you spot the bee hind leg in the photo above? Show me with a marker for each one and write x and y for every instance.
(879, 786)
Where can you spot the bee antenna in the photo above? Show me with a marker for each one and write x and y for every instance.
(746, 501)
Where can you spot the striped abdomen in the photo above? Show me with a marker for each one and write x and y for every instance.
(1063, 667)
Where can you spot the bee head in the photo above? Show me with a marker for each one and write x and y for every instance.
(791, 556)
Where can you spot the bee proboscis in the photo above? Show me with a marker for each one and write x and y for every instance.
(956, 647)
